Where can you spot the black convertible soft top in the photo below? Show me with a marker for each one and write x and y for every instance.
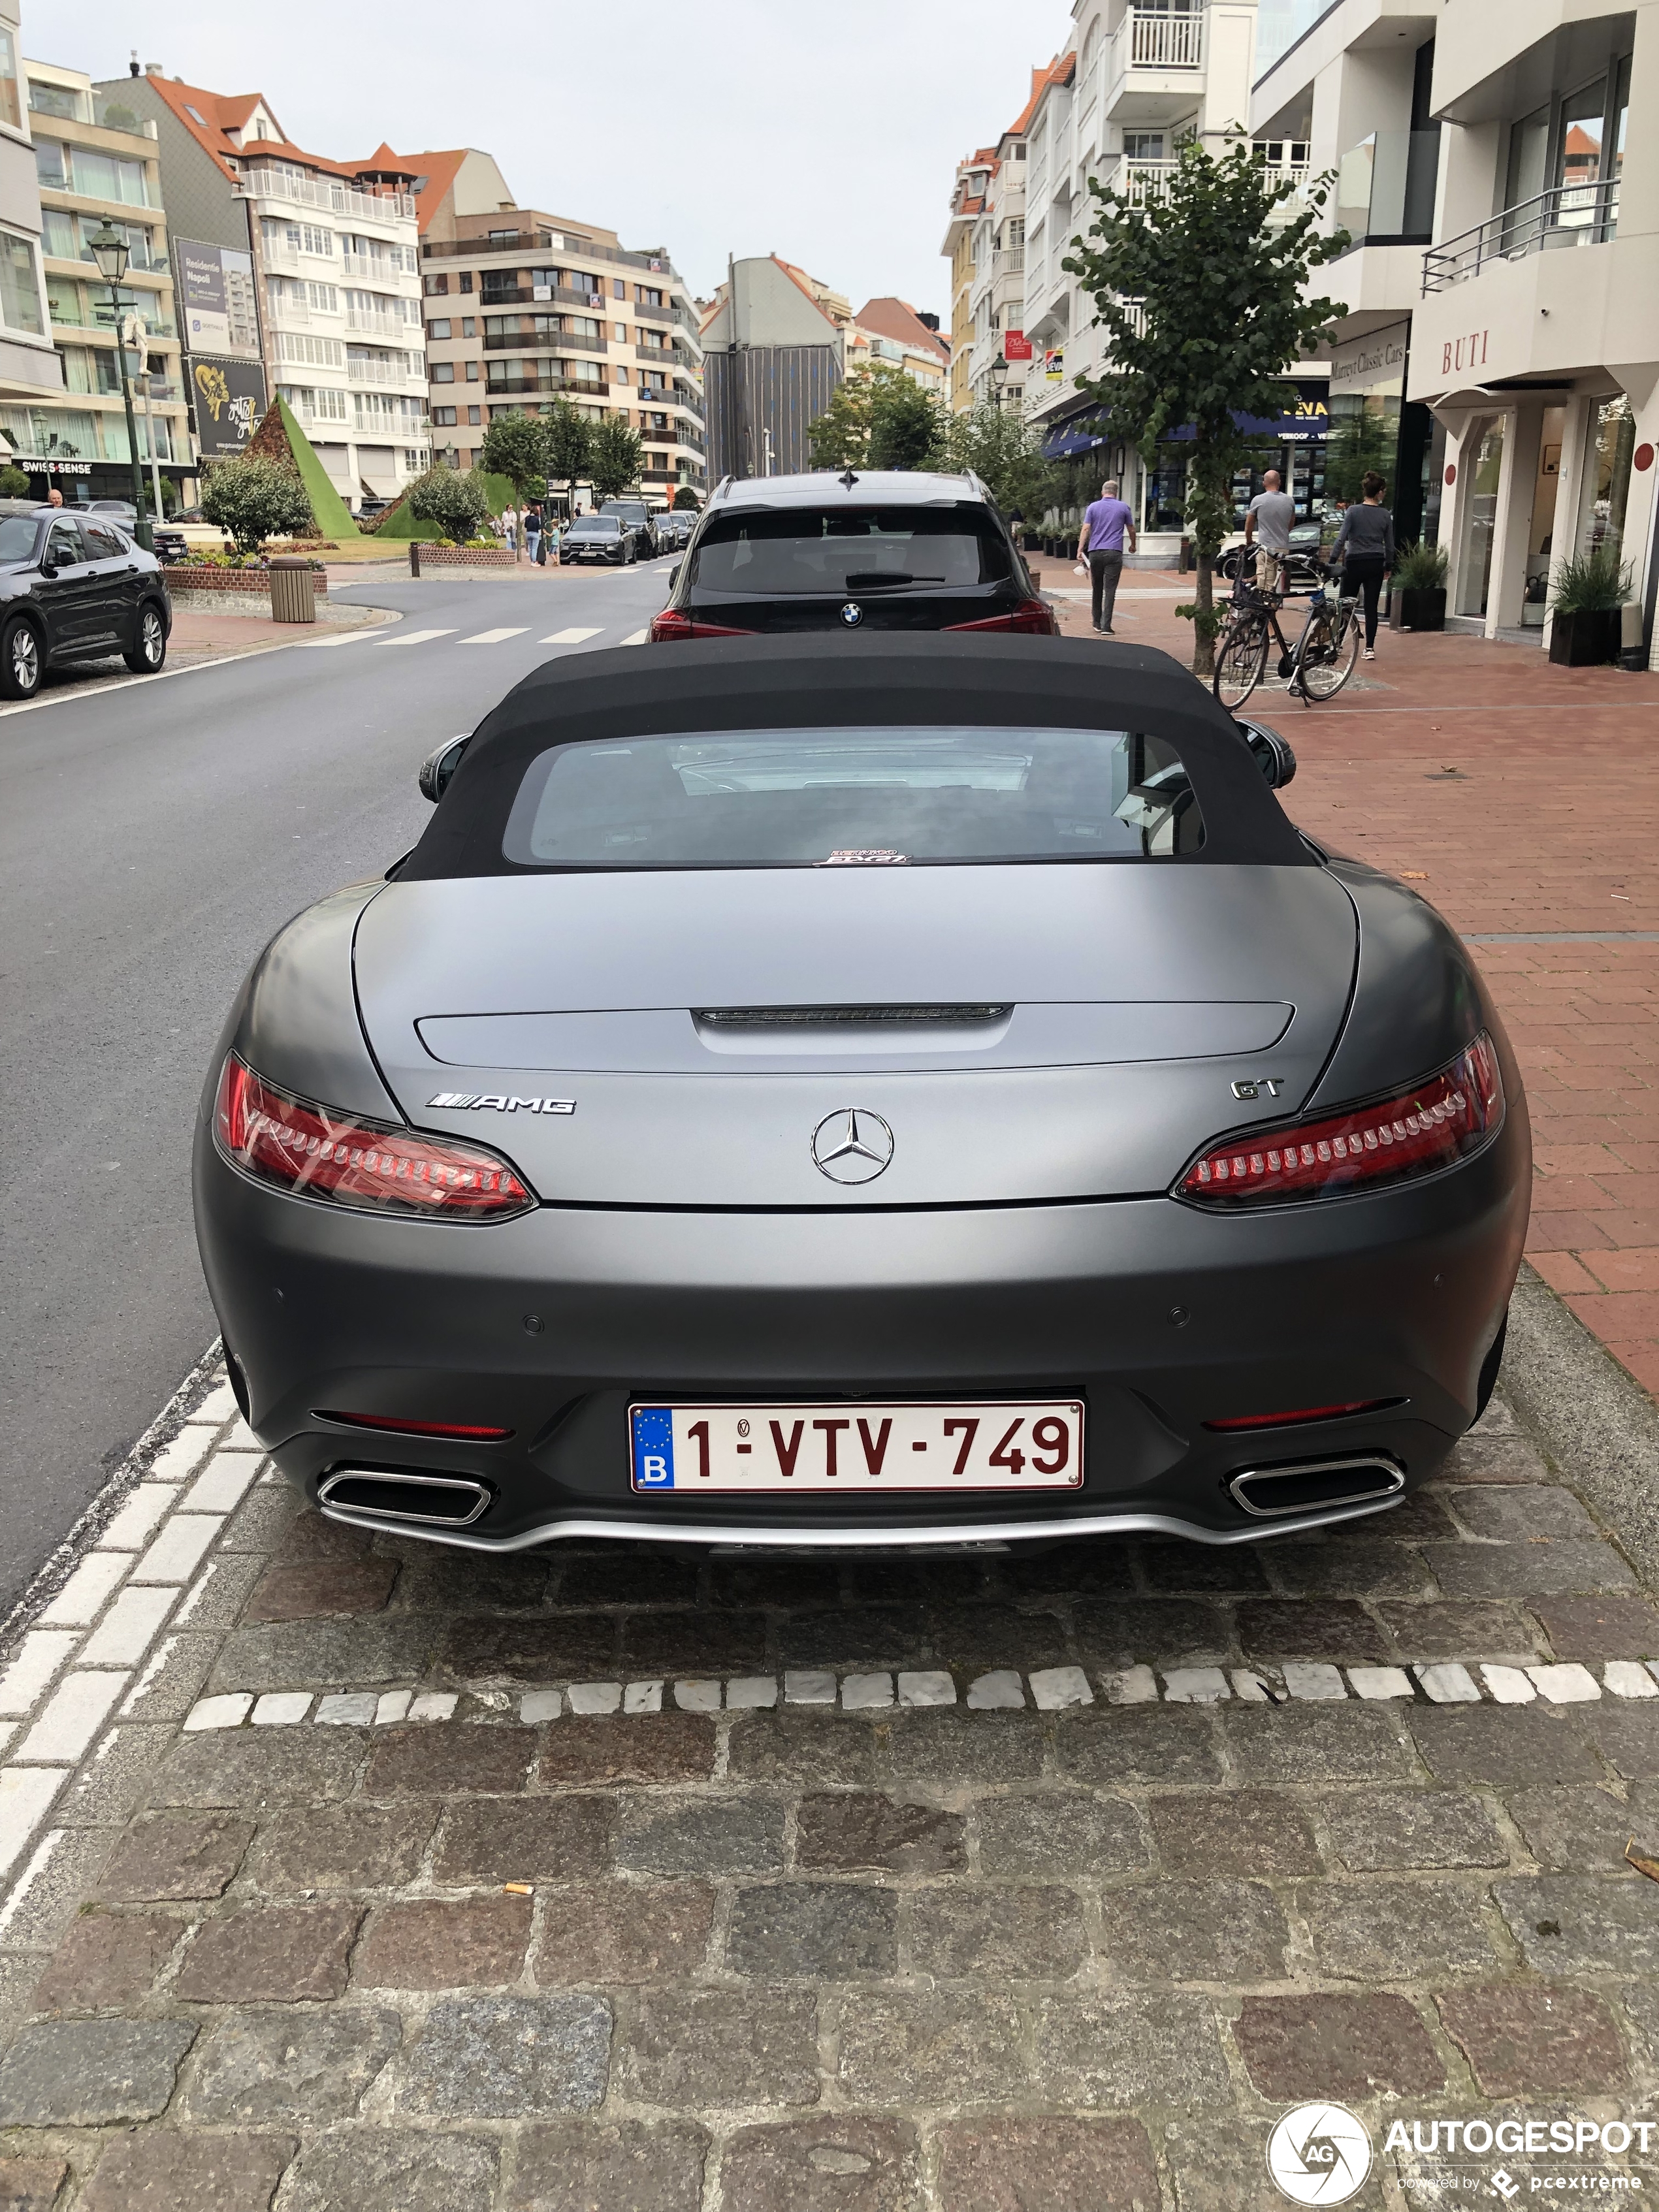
(801, 683)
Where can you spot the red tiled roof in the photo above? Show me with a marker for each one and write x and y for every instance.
(896, 319)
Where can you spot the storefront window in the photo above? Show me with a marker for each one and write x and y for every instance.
(1486, 468)
(1164, 494)
(1540, 534)
(1607, 478)
(49, 430)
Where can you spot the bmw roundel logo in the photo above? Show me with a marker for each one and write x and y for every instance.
(851, 614)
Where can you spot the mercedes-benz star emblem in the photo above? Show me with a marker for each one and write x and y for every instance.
(851, 614)
(852, 1144)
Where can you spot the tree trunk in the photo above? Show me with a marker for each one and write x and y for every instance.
(1204, 598)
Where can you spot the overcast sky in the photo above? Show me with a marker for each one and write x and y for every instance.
(828, 134)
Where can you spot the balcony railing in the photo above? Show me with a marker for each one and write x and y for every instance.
(375, 266)
(338, 199)
(382, 372)
(1008, 261)
(1143, 183)
(385, 326)
(1568, 215)
(537, 246)
(544, 342)
(1149, 38)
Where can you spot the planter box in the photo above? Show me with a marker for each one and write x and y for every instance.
(465, 556)
(1421, 610)
(185, 576)
(1590, 638)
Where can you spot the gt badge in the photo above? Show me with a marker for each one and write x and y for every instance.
(467, 1102)
(1264, 1086)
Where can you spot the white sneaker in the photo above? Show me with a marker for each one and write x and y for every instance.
(1369, 654)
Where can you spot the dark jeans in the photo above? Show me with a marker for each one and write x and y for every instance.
(1104, 569)
(1363, 579)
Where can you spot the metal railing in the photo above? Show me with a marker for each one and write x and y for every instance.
(1008, 261)
(387, 326)
(544, 342)
(536, 246)
(1149, 38)
(375, 266)
(383, 372)
(336, 199)
(1567, 215)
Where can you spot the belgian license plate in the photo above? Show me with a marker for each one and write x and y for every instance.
(1014, 1444)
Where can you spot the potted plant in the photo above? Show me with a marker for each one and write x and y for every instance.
(1420, 587)
(1589, 592)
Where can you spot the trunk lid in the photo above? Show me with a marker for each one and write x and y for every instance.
(1027, 1033)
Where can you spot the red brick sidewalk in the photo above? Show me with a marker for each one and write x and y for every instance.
(1525, 800)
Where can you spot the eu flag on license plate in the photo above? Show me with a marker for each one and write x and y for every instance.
(653, 1447)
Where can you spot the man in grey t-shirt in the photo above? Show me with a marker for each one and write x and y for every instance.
(1267, 523)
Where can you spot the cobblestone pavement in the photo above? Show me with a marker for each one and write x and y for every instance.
(343, 1868)
(1462, 768)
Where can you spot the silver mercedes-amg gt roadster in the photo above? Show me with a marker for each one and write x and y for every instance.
(877, 1090)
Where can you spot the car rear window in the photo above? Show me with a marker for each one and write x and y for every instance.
(840, 549)
(863, 797)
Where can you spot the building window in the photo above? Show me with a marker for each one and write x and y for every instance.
(618, 290)
(622, 374)
(465, 284)
(20, 285)
(10, 111)
(475, 414)
(436, 287)
(439, 329)
(57, 99)
(472, 371)
(444, 417)
(324, 298)
(443, 372)
(469, 327)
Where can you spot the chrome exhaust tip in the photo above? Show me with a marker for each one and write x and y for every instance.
(1316, 1486)
(380, 1498)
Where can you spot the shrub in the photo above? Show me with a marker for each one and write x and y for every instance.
(1421, 569)
(455, 499)
(254, 500)
(1591, 583)
(685, 498)
(14, 484)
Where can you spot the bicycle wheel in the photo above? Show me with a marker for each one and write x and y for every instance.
(1241, 660)
(1327, 656)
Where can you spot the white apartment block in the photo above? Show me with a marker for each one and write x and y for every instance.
(341, 272)
(1504, 288)
(996, 300)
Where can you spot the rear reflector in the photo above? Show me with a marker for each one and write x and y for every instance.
(1035, 617)
(1270, 1420)
(671, 625)
(466, 1432)
(316, 1152)
(1438, 1122)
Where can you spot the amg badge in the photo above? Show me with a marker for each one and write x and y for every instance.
(462, 1101)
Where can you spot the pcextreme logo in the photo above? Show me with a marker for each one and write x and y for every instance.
(1319, 2155)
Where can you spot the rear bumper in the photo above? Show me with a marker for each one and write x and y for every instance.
(1164, 1319)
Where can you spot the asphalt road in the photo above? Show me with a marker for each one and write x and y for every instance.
(153, 837)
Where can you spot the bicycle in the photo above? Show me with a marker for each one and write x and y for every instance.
(1319, 663)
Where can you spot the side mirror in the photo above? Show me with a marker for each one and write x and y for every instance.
(1271, 753)
(673, 575)
(439, 767)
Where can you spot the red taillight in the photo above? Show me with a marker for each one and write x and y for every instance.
(1433, 1125)
(465, 1432)
(1034, 616)
(671, 625)
(316, 1152)
(1301, 1414)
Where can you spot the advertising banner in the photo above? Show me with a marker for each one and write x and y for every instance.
(215, 300)
(226, 399)
(1054, 365)
(1016, 346)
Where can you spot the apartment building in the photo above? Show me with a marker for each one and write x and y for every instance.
(522, 309)
(775, 341)
(29, 368)
(301, 275)
(999, 366)
(967, 206)
(891, 330)
(1504, 286)
(95, 164)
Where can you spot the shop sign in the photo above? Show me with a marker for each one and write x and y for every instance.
(1467, 352)
(1016, 346)
(49, 465)
(227, 398)
(1054, 365)
(1376, 362)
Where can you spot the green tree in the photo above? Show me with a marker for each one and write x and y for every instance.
(455, 499)
(566, 439)
(615, 458)
(254, 500)
(515, 446)
(1005, 454)
(840, 437)
(14, 484)
(907, 423)
(1203, 293)
(1361, 443)
(686, 498)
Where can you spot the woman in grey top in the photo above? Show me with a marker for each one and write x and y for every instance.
(1364, 545)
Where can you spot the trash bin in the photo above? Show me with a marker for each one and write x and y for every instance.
(293, 589)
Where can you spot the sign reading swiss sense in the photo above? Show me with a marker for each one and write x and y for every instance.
(227, 398)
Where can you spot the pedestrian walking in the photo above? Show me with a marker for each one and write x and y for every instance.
(543, 537)
(1107, 523)
(533, 532)
(1267, 522)
(1364, 545)
(510, 528)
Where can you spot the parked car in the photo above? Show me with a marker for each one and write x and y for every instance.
(170, 545)
(674, 527)
(893, 550)
(598, 538)
(964, 1106)
(74, 588)
(635, 517)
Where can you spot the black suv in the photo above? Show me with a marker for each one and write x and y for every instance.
(634, 517)
(74, 587)
(884, 550)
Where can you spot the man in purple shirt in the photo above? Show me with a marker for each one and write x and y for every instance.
(1106, 524)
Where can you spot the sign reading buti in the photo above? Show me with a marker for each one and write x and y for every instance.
(1376, 362)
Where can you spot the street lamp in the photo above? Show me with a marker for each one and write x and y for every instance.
(110, 250)
(998, 378)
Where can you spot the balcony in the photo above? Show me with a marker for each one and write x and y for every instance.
(543, 342)
(375, 267)
(526, 244)
(1152, 61)
(1143, 183)
(1385, 188)
(1567, 216)
(384, 326)
(383, 372)
(335, 199)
